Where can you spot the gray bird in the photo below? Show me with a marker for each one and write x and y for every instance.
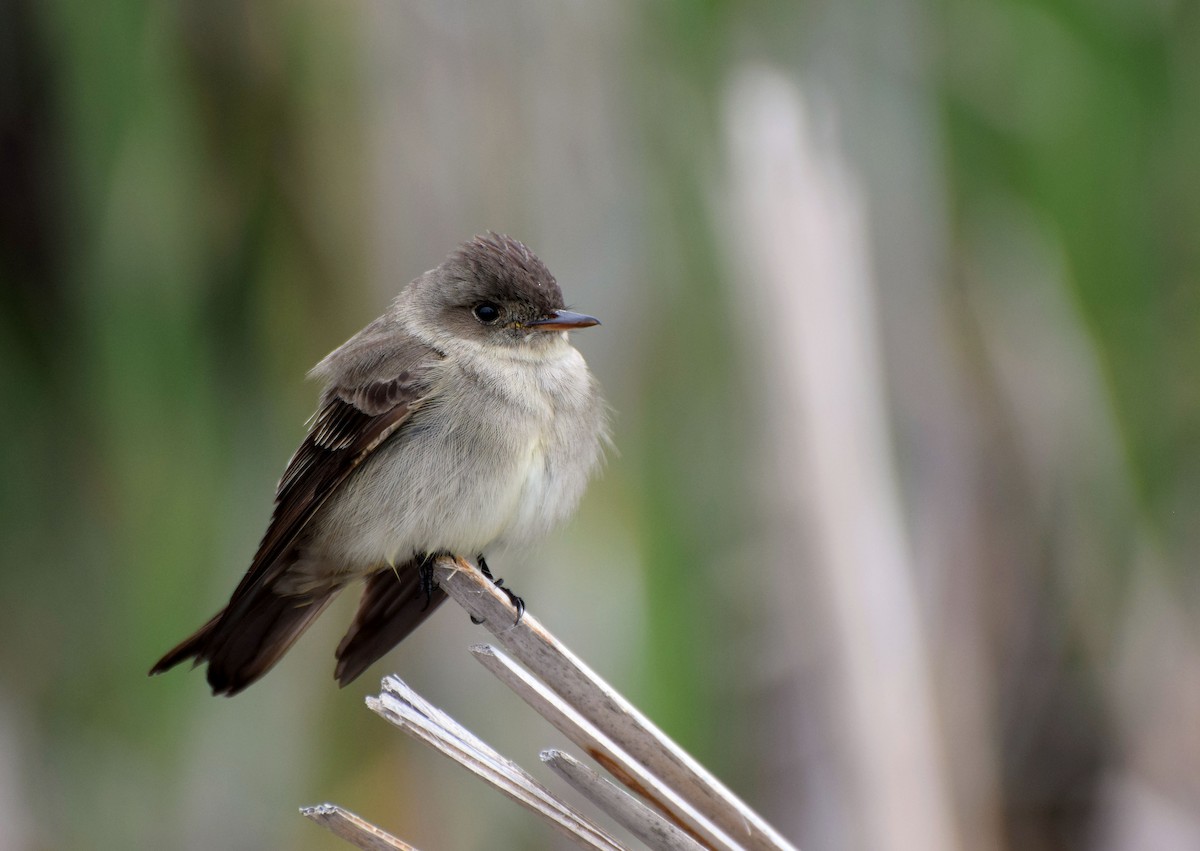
(460, 420)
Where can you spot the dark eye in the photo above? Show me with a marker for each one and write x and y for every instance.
(486, 312)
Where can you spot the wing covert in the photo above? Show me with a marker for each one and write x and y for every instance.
(350, 424)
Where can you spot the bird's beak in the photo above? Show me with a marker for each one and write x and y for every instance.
(563, 320)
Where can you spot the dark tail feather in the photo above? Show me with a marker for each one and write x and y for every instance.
(240, 651)
(190, 648)
(392, 606)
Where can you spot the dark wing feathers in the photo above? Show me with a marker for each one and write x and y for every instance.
(380, 396)
(342, 436)
(392, 605)
(240, 655)
(257, 626)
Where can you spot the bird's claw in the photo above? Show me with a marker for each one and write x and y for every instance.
(426, 580)
(516, 602)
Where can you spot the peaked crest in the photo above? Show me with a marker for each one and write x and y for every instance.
(506, 268)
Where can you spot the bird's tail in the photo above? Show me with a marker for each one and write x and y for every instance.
(239, 648)
(393, 605)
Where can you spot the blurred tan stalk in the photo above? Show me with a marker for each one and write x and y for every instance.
(807, 296)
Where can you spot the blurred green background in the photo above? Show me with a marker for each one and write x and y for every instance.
(901, 328)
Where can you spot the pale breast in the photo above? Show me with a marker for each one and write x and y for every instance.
(500, 454)
(562, 446)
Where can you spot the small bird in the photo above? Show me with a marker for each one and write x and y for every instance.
(460, 420)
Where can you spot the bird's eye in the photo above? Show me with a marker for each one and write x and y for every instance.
(486, 312)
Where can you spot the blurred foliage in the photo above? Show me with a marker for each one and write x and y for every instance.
(1088, 114)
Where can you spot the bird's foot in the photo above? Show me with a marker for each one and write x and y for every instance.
(425, 577)
(517, 602)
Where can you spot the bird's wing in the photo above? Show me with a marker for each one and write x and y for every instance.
(351, 423)
(375, 398)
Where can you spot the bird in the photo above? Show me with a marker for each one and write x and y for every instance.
(459, 421)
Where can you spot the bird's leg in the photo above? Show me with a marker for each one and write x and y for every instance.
(425, 577)
(516, 601)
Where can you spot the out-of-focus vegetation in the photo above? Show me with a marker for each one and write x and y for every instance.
(199, 200)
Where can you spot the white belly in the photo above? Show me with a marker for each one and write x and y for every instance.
(467, 474)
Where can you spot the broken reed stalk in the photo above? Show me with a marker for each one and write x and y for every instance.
(625, 809)
(687, 806)
(403, 707)
(599, 747)
(354, 829)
